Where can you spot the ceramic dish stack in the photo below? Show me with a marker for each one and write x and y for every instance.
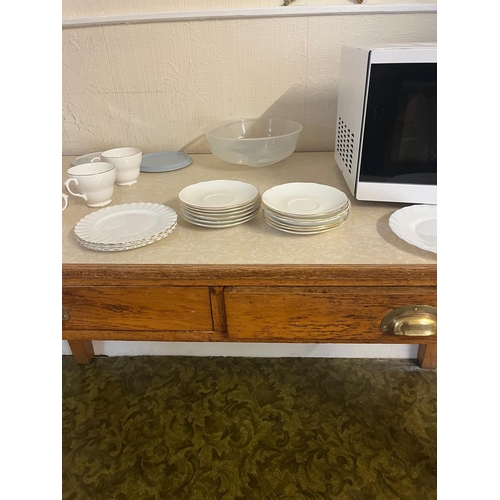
(304, 207)
(219, 203)
(124, 227)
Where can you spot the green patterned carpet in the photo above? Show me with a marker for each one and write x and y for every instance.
(147, 428)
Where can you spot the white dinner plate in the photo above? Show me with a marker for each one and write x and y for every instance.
(417, 225)
(155, 237)
(125, 224)
(127, 246)
(304, 198)
(218, 194)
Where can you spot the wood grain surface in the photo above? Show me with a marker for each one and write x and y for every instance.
(149, 308)
(351, 313)
(228, 275)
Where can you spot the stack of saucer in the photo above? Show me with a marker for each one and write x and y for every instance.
(125, 227)
(219, 203)
(304, 207)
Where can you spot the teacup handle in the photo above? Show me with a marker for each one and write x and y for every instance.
(65, 201)
(97, 158)
(68, 182)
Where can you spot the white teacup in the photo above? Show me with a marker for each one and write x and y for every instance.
(127, 162)
(94, 182)
(64, 201)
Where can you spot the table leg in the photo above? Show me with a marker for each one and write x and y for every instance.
(427, 355)
(82, 351)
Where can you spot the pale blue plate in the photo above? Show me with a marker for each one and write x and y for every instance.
(165, 161)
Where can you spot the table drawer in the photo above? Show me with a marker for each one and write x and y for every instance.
(301, 314)
(134, 308)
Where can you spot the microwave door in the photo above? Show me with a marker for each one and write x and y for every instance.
(399, 141)
(412, 143)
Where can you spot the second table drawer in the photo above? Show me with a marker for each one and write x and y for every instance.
(308, 313)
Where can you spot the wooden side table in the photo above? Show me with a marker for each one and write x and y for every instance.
(249, 283)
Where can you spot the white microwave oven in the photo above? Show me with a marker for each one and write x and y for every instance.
(386, 131)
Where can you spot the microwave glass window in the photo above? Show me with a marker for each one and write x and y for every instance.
(399, 143)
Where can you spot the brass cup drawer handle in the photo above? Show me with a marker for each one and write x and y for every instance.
(65, 314)
(411, 321)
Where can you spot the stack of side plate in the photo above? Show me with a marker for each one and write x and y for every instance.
(304, 207)
(219, 203)
(124, 227)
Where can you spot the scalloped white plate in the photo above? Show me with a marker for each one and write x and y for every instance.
(126, 224)
(130, 246)
(417, 225)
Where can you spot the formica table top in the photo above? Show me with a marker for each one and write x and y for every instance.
(365, 237)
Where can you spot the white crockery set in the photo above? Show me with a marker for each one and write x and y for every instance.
(294, 208)
(93, 176)
(212, 204)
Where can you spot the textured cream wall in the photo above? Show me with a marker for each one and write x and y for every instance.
(76, 8)
(156, 85)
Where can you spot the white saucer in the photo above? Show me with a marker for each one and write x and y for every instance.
(86, 158)
(417, 225)
(223, 223)
(218, 194)
(304, 198)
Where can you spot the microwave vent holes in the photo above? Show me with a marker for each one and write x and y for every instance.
(345, 144)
